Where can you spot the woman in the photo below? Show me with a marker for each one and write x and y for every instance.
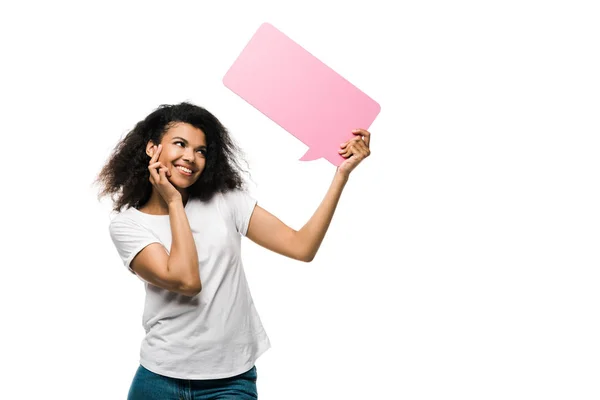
(177, 177)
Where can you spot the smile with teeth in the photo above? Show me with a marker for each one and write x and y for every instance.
(184, 170)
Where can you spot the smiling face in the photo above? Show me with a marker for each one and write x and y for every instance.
(183, 153)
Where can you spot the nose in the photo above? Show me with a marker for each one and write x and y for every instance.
(188, 155)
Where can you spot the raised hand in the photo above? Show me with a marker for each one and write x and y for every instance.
(354, 150)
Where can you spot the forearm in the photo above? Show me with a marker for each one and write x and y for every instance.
(312, 234)
(183, 257)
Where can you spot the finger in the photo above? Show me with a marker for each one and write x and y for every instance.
(345, 152)
(344, 146)
(162, 172)
(366, 135)
(155, 165)
(156, 154)
(355, 139)
(154, 169)
(350, 152)
(161, 167)
(154, 177)
(362, 147)
(359, 151)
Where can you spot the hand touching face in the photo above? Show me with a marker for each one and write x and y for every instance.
(183, 154)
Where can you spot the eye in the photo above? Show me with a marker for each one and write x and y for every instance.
(179, 141)
(202, 151)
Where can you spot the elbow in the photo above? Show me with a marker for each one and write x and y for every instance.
(195, 290)
(307, 258)
(306, 254)
(191, 289)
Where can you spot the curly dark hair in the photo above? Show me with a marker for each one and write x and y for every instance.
(125, 177)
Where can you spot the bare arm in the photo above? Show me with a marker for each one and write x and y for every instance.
(183, 259)
(177, 271)
(268, 231)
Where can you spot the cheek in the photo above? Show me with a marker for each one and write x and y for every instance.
(165, 154)
(201, 165)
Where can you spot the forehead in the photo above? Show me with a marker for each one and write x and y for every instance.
(186, 131)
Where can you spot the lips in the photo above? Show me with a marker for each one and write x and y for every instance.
(184, 170)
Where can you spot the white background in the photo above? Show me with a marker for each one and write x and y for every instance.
(462, 262)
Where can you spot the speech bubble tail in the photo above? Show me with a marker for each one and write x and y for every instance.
(310, 155)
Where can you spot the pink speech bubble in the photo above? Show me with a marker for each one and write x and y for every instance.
(300, 93)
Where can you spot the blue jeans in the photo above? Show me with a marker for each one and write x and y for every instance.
(148, 385)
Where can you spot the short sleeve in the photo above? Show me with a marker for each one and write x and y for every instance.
(241, 205)
(129, 237)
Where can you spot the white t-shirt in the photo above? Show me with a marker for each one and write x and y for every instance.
(217, 333)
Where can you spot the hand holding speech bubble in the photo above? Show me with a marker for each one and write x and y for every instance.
(300, 93)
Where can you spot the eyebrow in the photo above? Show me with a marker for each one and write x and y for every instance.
(186, 142)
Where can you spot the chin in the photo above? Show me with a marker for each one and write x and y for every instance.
(183, 183)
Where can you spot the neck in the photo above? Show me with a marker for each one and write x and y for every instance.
(156, 205)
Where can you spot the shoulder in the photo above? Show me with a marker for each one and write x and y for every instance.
(235, 195)
(238, 205)
(238, 199)
(125, 220)
(128, 214)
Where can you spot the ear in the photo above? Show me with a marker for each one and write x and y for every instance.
(150, 148)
